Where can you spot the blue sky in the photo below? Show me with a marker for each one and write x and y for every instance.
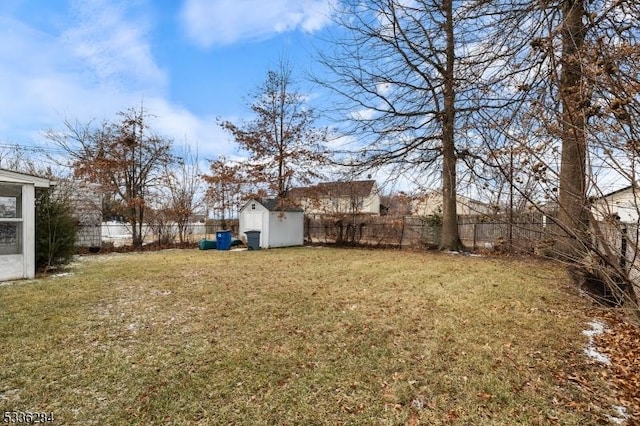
(189, 61)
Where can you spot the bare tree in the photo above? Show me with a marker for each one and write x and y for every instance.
(284, 148)
(182, 181)
(16, 158)
(404, 78)
(396, 204)
(125, 157)
(574, 97)
(225, 184)
(566, 96)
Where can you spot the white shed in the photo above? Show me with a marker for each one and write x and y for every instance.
(17, 224)
(279, 225)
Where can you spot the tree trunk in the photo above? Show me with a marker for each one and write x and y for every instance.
(137, 224)
(450, 239)
(572, 191)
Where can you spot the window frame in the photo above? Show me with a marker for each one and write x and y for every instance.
(12, 190)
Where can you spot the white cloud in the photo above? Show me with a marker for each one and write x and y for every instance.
(383, 89)
(184, 127)
(113, 45)
(223, 22)
(101, 63)
(363, 114)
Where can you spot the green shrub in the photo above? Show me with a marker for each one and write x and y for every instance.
(55, 229)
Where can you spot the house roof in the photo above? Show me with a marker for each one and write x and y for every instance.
(357, 188)
(618, 191)
(275, 205)
(15, 177)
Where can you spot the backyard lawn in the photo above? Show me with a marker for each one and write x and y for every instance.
(300, 336)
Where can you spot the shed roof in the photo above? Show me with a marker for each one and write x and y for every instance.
(276, 205)
(16, 177)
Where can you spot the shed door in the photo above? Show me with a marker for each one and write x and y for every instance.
(254, 221)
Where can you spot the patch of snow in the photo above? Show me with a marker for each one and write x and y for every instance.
(596, 328)
(621, 415)
(591, 351)
(62, 274)
(462, 253)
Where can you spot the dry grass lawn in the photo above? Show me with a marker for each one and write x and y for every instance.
(299, 336)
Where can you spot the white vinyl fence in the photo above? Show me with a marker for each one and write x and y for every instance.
(119, 233)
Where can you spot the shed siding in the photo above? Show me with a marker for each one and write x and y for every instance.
(286, 229)
(277, 228)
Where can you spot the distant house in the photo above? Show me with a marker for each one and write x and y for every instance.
(280, 225)
(17, 224)
(338, 198)
(623, 204)
(431, 204)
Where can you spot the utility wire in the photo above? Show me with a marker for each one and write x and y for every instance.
(32, 148)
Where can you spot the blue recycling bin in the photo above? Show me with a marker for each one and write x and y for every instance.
(223, 240)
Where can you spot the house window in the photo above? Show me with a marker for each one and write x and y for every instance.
(253, 206)
(10, 219)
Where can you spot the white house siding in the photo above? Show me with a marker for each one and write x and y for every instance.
(21, 264)
(29, 230)
(431, 204)
(371, 204)
(623, 204)
(342, 205)
(338, 198)
(12, 267)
